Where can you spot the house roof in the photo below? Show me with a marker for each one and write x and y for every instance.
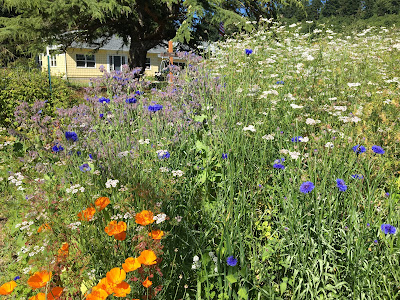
(115, 44)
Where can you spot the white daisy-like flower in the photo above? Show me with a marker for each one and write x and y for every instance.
(249, 128)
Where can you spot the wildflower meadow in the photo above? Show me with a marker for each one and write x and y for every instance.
(267, 168)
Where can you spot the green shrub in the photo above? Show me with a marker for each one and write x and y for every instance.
(23, 82)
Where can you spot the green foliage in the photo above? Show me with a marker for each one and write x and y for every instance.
(25, 83)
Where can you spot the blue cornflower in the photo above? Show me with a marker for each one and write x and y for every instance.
(101, 115)
(387, 194)
(296, 139)
(224, 155)
(280, 82)
(155, 107)
(70, 135)
(388, 229)
(231, 261)
(377, 149)
(279, 166)
(306, 187)
(17, 277)
(357, 176)
(368, 225)
(248, 51)
(139, 93)
(341, 185)
(162, 154)
(359, 149)
(131, 100)
(57, 148)
(78, 153)
(85, 168)
(90, 156)
(375, 241)
(103, 99)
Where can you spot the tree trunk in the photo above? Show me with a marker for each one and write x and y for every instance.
(137, 55)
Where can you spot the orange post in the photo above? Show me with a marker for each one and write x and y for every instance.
(171, 59)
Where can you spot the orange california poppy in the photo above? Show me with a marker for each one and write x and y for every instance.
(120, 236)
(131, 264)
(116, 275)
(147, 283)
(7, 288)
(144, 218)
(101, 203)
(87, 214)
(147, 257)
(105, 285)
(39, 279)
(55, 293)
(97, 294)
(40, 296)
(156, 234)
(44, 227)
(63, 251)
(122, 289)
(115, 228)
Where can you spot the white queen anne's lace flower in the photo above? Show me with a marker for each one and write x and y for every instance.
(249, 128)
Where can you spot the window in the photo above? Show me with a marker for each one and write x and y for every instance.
(85, 61)
(116, 62)
(39, 60)
(53, 60)
(148, 63)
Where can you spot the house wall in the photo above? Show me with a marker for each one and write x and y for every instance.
(66, 65)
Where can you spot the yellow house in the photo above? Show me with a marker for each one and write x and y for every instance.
(80, 62)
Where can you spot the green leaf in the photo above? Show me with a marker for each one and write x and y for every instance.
(242, 293)
(283, 287)
(200, 118)
(232, 278)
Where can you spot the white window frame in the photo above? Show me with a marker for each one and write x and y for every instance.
(86, 61)
(110, 59)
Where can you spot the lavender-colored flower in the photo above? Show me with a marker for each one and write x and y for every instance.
(377, 149)
(85, 168)
(155, 107)
(231, 261)
(71, 135)
(388, 229)
(296, 139)
(248, 51)
(387, 195)
(306, 187)
(341, 185)
(224, 155)
(359, 149)
(104, 100)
